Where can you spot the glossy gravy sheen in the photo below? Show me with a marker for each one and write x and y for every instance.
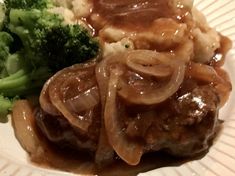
(134, 14)
(81, 162)
(126, 14)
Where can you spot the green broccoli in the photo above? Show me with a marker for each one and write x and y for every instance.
(2, 15)
(31, 26)
(21, 82)
(66, 45)
(6, 105)
(24, 82)
(18, 76)
(34, 44)
(48, 41)
(5, 41)
(22, 4)
(27, 4)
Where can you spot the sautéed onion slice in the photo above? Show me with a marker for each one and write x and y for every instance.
(215, 76)
(24, 123)
(84, 101)
(45, 101)
(160, 94)
(73, 77)
(128, 150)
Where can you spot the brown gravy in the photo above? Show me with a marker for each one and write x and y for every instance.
(134, 14)
(81, 163)
(130, 14)
(219, 57)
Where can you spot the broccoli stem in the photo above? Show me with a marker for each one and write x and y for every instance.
(15, 75)
(9, 84)
(5, 106)
(18, 91)
(24, 90)
(2, 14)
(13, 63)
(23, 82)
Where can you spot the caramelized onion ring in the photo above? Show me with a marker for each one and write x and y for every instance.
(104, 153)
(212, 75)
(56, 92)
(23, 121)
(56, 88)
(148, 65)
(45, 101)
(84, 101)
(160, 94)
(126, 149)
(112, 4)
(102, 72)
(204, 73)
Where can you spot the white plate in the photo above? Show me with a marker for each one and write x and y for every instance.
(220, 161)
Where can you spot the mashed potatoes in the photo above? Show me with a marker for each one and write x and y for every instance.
(164, 32)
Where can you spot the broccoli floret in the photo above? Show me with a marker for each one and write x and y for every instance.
(27, 4)
(13, 63)
(66, 45)
(48, 41)
(31, 26)
(23, 4)
(5, 41)
(5, 106)
(2, 15)
(37, 43)
(24, 82)
(18, 76)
